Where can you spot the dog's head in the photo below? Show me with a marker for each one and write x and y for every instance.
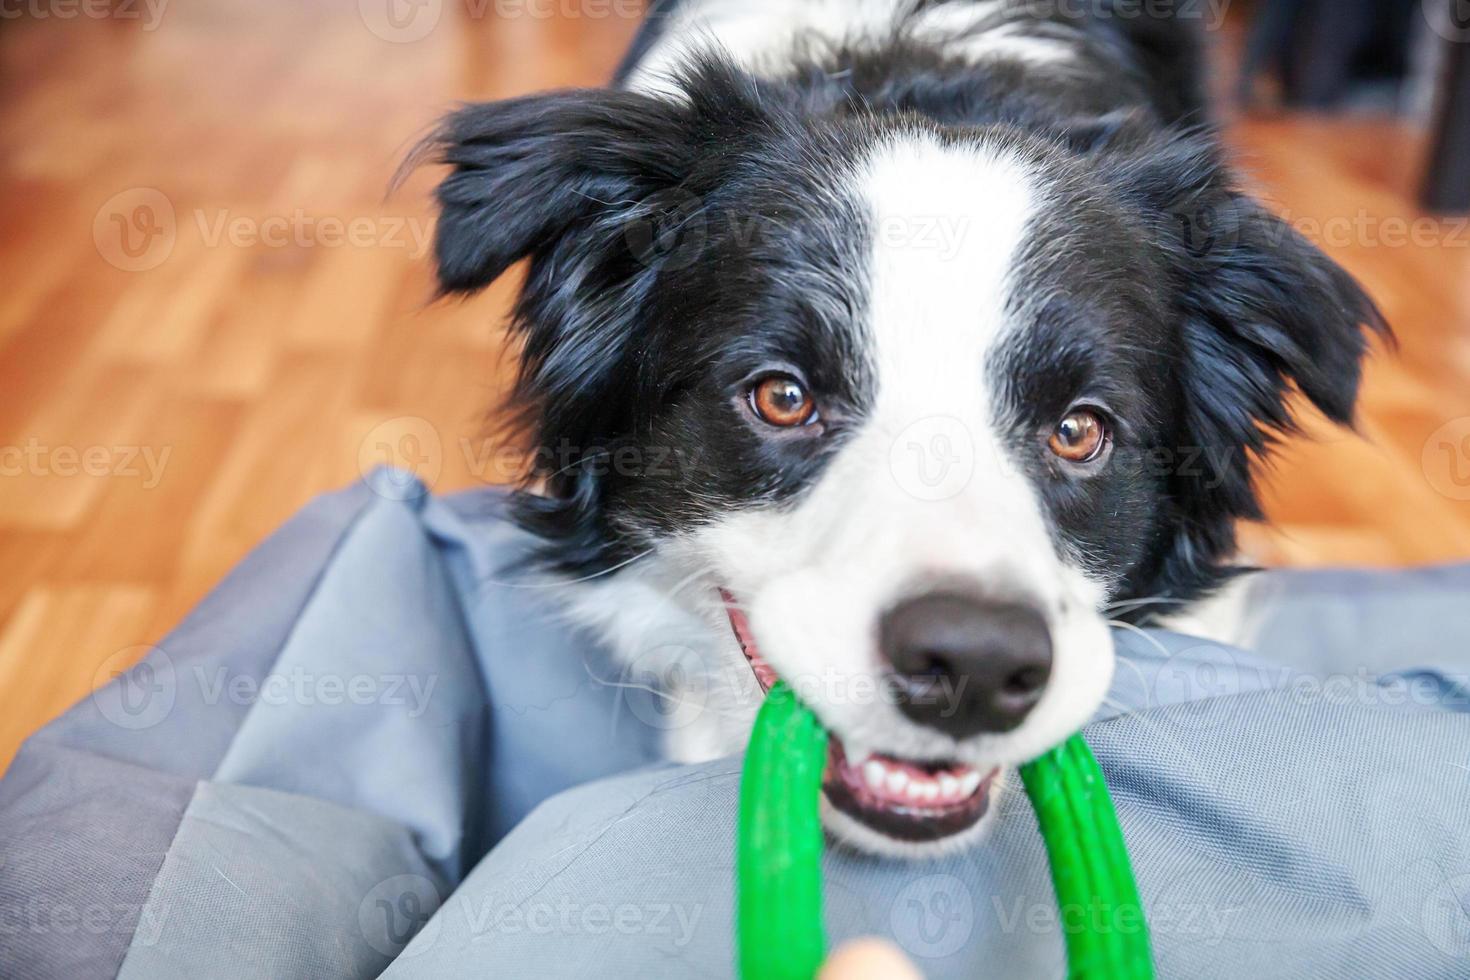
(920, 401)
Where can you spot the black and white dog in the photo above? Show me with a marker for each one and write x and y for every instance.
(891, 347)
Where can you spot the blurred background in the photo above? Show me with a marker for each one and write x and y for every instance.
(211, 308)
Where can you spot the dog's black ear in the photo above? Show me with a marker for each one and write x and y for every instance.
(1264, 310)
(560, 179)
(590, 186)
(525, 171)
(1261, 312)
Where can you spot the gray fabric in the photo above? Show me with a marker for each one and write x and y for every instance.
(241, 624)
(1353, 621)
(559, 718)
(1289, 813)
(81, 838)
(91, 802)
(1337, 851)
(307, 889)
(379, 724)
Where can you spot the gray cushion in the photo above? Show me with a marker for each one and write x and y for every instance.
(374, 728)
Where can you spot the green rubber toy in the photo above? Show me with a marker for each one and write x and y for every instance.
(779, 853)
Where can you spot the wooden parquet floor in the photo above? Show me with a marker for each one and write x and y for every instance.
(211, 312)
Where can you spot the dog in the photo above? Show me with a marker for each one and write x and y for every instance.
(892, 348)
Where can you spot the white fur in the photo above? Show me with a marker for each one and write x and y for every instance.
(762, 36)
(1229, 616)
(971, 31)
(815, 576)
(667, 626)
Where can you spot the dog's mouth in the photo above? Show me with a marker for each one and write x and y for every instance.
(906, 799)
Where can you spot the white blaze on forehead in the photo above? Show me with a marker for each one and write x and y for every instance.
(927, 486)
(948, 221)
(924, 485)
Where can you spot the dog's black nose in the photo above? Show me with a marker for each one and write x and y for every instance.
(963, 665)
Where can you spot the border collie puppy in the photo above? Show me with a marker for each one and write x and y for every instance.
(890, 347)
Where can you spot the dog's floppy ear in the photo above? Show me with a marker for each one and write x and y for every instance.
(525, 171)
(582, 182)
(560, 178)
(1261, 312)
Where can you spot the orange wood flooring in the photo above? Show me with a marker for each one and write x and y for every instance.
(211, 312)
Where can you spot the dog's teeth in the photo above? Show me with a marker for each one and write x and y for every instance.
(897, 782)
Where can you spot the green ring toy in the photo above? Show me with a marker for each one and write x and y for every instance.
(779, 852)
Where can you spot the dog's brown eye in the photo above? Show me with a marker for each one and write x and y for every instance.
(1079, 437)
(782, 401)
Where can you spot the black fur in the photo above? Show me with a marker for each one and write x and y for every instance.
(677, 247)
(1193, 314)
(641, 220)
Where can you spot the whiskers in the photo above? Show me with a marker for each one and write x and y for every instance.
(557, 583)
(717, 693)
(1143, 634)
(1126, 606)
